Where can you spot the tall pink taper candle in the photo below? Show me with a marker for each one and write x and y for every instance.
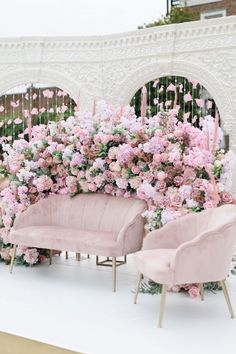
(94, 107)
(207, 137)
(78, 103)
(144, 103)
(216, 132)
(29, 126)
(215, 189)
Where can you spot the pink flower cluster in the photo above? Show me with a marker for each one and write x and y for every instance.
(167, 162)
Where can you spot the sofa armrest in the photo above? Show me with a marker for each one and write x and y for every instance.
(131, 235)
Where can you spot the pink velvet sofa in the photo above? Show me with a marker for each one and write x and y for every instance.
(196, 248)
(94, 223)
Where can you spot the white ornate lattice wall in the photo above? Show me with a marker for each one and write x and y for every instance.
(115, 67)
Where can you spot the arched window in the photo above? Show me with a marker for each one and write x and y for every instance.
(191, 99)
(39, 103)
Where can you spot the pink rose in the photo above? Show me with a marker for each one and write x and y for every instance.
(164, 157)
(109, 188)
(157, 158)
(32, 190)
(135, 170)
(194, 292)
(178, 180)
(161, 176)
(208, 205)
(226, 198)
(176, 200)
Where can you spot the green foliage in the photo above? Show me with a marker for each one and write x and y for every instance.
(150, 288)
(233, 270)
(176, 15)
(153, 288)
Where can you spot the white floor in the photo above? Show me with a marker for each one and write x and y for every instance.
(70, 304)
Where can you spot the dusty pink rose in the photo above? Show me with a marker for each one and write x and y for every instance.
(164, 157)
(208, 205)
(194, 292)
(178, 180)
(135, 170)
(226, 198)
(176, 200)
(109, 188)
(161, 176)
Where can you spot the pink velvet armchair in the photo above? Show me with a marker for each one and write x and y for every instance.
(92, 223)
(197, 248)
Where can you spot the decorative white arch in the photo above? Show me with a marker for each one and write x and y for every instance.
(136, 79)
(114, 67)
(38, 75)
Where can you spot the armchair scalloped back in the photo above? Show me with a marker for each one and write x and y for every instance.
(196, 248)
(202, 244)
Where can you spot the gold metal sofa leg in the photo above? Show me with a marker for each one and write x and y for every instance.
(162, 305)
(139, 278)
(13, 257)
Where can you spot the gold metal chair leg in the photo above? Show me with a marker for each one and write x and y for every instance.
(201, 291)
(113, 274)
(13, 257)
(139, 278)
(78, 256)
(50, 257)
(162, 305)
(227, 298)
(67, 255)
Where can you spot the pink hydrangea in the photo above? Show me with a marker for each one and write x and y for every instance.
(31, 256)
(125, 154)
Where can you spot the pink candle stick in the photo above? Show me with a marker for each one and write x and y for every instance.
(94, 107)
(215, 190)
(144, 103)
(78, 103)
(29, 126)
(216, 132)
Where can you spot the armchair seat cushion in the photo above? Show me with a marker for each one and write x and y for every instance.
(61, 238)
(156, 264)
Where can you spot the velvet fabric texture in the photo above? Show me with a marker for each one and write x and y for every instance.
(94, 223)
(196, 248)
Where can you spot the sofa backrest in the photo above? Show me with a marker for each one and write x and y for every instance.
(88, 211)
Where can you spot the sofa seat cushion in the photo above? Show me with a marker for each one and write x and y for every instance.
(156, 264)
(63, 238)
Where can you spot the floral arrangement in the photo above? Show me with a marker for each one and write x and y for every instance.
(176, 167)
